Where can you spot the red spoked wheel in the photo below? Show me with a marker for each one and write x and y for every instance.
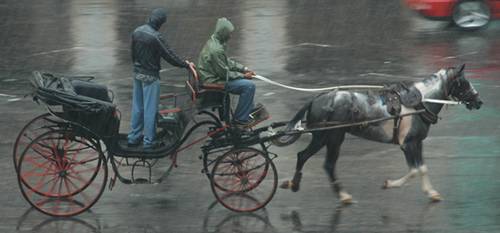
(61, 173)
(36, 127)
(244, 179)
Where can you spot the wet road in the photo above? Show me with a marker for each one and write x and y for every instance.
(303, 43)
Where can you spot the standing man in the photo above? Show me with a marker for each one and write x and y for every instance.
(215, 67)
(148, 47)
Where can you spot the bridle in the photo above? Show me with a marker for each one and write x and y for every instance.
(457, 91)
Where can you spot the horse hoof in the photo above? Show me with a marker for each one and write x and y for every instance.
(286, 184)
(435, 196)
(346, 199)
(386, 184)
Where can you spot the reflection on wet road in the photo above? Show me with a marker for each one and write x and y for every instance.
(305, 43)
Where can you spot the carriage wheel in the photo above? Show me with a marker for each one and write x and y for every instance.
(216, 133)
(285, 140)
(72, 147)
(36, 127)
(237, 164)
(244, 179)
(209, 160)
(61, 173)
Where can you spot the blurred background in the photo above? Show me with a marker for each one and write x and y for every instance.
(304, 43)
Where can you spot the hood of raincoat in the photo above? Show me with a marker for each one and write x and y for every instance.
(213, 64)
(158, 17)
(223, 30)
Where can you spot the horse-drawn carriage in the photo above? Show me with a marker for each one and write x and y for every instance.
(61, 157)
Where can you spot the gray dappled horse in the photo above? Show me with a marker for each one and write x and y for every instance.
(408, 131)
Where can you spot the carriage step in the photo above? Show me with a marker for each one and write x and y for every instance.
(121, 149)
(141, 181)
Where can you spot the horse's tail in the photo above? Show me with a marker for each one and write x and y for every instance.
(298, 116)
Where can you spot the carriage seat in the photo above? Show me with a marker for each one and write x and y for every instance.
(82, 102)
(90, 89)
(205, 95)
(211, 95)
(172, 118)
(213, 86)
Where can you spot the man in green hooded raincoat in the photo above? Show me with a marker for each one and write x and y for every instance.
(216, 68)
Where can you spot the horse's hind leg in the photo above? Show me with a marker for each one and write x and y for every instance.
(317, 142)
(335, 140)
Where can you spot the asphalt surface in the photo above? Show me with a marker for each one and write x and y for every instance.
(302, 43)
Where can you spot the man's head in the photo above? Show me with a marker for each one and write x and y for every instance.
(158, 17)
(223, 30)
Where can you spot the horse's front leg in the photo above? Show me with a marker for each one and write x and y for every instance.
(410, 153)
(413, 154)
(427, 186)
(401, 181)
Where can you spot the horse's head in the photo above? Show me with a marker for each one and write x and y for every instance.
(461, 89)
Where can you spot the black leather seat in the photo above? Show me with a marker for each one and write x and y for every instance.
(90, 89)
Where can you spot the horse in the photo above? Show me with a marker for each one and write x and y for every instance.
(407, 130)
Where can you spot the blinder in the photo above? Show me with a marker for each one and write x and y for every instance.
(462, 92)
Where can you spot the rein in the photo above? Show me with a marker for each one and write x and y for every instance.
(436, 101)
(267, 80)
(317, 89)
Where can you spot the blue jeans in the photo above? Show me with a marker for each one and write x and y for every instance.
(145, 99)
(246, 90)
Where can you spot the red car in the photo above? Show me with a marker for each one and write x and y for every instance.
(467, 14)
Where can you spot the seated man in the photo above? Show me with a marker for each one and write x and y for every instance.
(216, 68)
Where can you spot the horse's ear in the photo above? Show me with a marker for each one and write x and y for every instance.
(461, 69)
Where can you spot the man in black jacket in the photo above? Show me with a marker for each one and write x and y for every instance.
(148, 47)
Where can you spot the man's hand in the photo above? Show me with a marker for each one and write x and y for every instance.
(249, 74)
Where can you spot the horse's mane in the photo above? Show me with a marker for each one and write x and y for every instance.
(440, 75)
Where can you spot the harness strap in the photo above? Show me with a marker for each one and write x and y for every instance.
(322, 126)
(395, 130)
(427, 116)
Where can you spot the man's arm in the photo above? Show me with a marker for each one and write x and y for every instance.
(235, 66)
(169, 55)
(222, 68)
